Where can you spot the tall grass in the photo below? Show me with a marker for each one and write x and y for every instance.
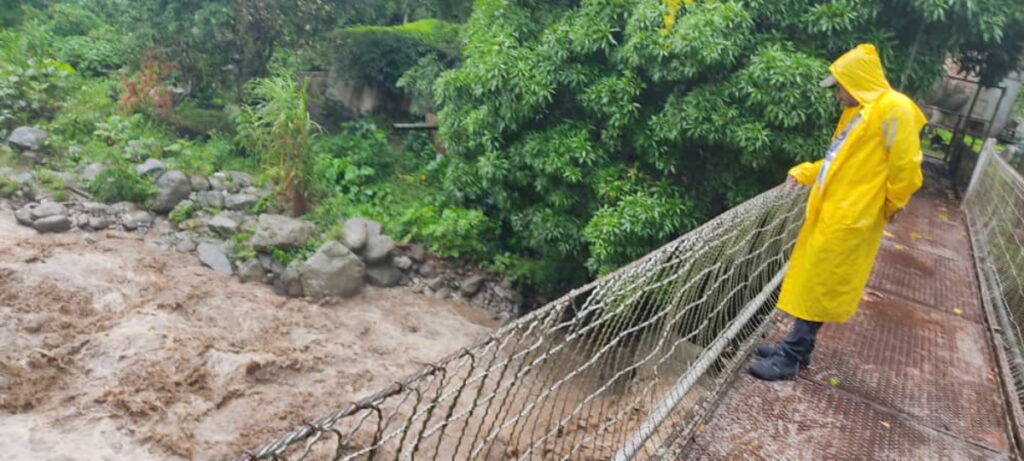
(276, 126)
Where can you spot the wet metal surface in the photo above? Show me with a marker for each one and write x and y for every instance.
(804, 420)
(911, 377)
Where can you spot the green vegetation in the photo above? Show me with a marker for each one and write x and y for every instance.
(286, 256)
(7, 187)
(121, 184)
(578, 135)
(276, 127)
(591, 132)
(381, 55)
(52, 183)
(241, 249)
(182, 212)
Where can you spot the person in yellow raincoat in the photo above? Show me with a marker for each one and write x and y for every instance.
(869, 172)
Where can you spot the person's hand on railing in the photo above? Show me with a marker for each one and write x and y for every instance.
(791, 182)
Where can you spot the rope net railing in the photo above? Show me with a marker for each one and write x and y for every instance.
(618, 369)
(994, 207)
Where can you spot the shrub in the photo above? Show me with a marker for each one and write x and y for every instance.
(457, 232)
(349, 162)
(191, 118)
(33, 91)
(93, 99)
(148, 90)
(120, 183)
(100, 52)
(206, 157)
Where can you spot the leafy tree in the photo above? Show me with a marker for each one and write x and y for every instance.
(218, 45)
(595, 130)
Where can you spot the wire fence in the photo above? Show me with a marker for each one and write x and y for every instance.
(994, 207)
(617, 369)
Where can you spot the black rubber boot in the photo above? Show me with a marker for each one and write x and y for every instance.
(774, 368)
(767, 350)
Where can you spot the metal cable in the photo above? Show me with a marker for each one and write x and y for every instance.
(633, 359)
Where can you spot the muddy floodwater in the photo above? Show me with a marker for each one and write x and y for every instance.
(118, 350)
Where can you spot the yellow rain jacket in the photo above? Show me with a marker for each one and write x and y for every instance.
(873, 175)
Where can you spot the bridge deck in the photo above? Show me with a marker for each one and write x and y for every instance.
(912, 376)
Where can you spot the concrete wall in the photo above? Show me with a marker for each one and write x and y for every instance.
(334, 99)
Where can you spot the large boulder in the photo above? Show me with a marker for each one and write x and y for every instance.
(199, 182)
(24, 215)
(403, 263)
(27, 138)
(276, 231)
(417, 252)
(270, 264)
(136, 219)
(210, 199)
(54, 223)
(358, 231)
(17, 176)
(251, 271)
(240, 201)
(224, 182)
(223, 224)
(172, 187)
(428, 270)
(471, 285)
(378, 248)
(214, 256)
(31, 157)
(47, 209)
(290, 281)
(240, 178)
(383, 275)
(185, 244)
(123, 208)
(151, 166)
(96, 208)
(100, 222)
(332, 271)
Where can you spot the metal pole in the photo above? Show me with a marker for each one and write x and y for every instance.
(988, 150)
(958, 135)
(688, 379)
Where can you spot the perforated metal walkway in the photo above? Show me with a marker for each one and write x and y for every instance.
(911, 377)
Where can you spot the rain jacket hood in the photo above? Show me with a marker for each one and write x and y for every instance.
(860, 72)
(875, 171)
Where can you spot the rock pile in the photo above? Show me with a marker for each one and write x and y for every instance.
(213, 217)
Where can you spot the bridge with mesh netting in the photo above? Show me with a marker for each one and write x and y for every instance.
(647, 362)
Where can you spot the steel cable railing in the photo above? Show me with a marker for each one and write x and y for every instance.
(619, 368)
(994, 207)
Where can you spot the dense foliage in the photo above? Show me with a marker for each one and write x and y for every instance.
(382, 54)
(219, 45)
(579, 133)
(591, 131)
